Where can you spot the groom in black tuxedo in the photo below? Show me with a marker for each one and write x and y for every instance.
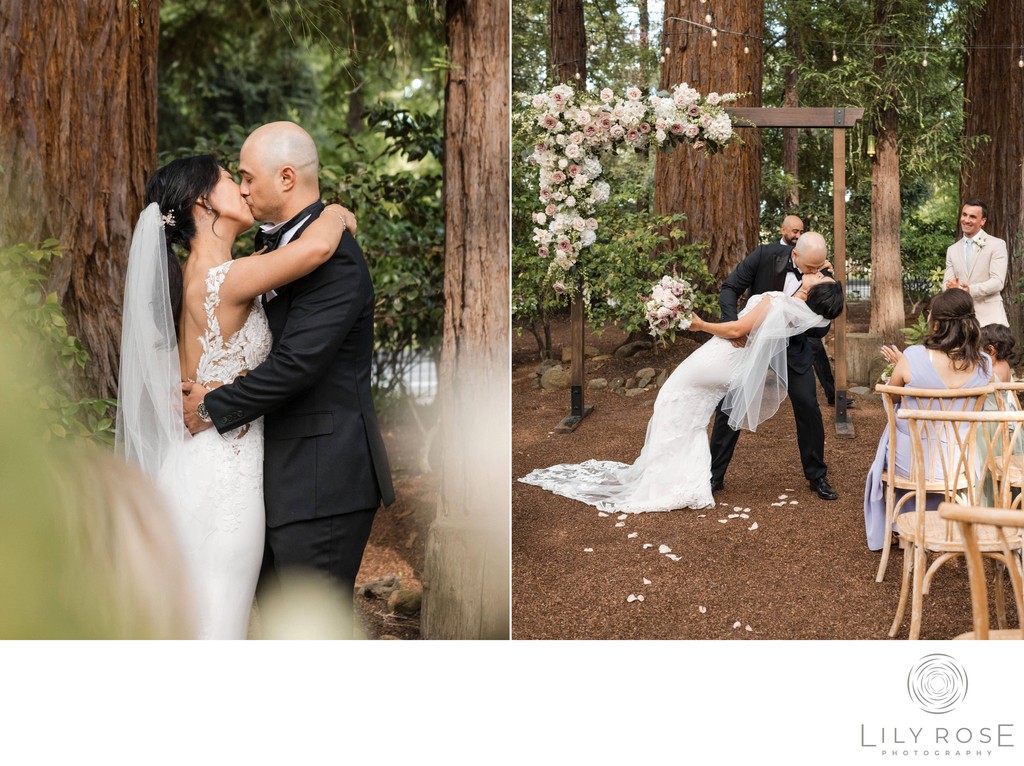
(325, 467)
(780, 267)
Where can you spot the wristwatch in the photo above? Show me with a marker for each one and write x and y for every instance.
(202, 412)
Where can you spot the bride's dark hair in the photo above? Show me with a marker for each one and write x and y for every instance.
(176, 187)
(826, 299)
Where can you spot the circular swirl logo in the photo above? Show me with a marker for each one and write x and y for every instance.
(937, 683)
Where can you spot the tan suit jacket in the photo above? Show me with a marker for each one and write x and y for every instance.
(986, 276)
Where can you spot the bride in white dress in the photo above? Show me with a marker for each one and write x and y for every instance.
(204, 322)
(674, 467)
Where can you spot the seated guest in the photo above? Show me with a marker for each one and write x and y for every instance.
(950, 358)
(997, 341)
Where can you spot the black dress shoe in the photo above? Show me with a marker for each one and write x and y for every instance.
(824, 489)
(717, 485)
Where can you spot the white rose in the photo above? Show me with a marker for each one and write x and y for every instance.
(587, 238)
(607, 94)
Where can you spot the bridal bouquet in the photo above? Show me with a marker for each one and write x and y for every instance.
(670, 306)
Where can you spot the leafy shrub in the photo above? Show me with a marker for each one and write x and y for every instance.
(39, 334)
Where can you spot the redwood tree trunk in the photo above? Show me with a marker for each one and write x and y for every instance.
(720, 195)
(790, 136)
(887, 316)
(466, 569)
(77, 142)
(994, 106)
(568, 43)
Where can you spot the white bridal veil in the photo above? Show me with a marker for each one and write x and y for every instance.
(150, 430)
(759, 385)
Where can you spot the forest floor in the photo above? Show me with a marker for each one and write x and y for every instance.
(397, 540)
(804, 572)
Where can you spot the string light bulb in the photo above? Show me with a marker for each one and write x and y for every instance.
(577, 75)
(661, 60)
(668, 51)
(714, 43)
(834, 56)
(746, 49)
(924, 61)
(707, 18)
(1020, 61)
(714, 32)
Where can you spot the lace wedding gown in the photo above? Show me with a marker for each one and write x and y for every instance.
(220, 516)
(674, 467)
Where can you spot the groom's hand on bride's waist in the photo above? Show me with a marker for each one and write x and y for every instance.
(739, 342)
(191, 396)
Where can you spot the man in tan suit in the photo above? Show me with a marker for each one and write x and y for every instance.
(977, 264)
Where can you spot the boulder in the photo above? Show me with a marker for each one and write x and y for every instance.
(555, 378)
(597, 383)
(645, 376)
(630, 349)
(405, 602)
(381, 588)
(635, 392)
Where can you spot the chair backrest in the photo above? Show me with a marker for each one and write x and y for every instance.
(968, 519)
(968, 457)
(940, 399)
(1009, 394)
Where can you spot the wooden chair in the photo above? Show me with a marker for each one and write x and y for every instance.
(998, 530)
(956, 455)
(926, 399)
(1014, 389)
(1008, 398)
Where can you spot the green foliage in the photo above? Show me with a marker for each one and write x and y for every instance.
(919, 331)
(40, 337)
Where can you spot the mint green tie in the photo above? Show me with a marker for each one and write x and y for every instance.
(968, 255)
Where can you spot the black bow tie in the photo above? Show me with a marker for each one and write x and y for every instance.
(269, 241)
(795, 270)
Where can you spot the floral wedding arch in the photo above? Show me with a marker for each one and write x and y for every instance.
(577, 130)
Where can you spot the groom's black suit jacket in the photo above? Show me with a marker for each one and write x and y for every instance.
(323, 453)
(764, 271)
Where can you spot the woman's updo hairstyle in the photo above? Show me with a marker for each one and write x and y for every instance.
(176, 187)
(955, 330)
(826, 299)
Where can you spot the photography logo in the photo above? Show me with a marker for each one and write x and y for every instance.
(937, 683)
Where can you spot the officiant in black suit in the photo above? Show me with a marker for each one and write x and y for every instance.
(778, 267)
(325, 467)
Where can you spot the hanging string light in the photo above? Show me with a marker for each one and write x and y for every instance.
(714, 30)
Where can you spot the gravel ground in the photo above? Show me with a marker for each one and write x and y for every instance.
(804, 573)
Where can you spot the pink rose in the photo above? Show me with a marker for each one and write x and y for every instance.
(645, 127)
(543, 252)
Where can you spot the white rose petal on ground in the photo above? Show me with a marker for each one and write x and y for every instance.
(631, 535)
(588, 550)
(737, 624)
(631, 598)
(794, 502)
(623, 516)
(673, 556)
(783, 497)
(639, 597)
(701, 515)
(776, 505)
(749, 629)
(753, 526)
(723, 521)
(744, 515)
(603, 515)
(648, 545)
(664, 549)
(620, 524)
(734, 515)
(736, 508)
(702, 609)
(646, 581)
(791, 490)
(746, 510)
